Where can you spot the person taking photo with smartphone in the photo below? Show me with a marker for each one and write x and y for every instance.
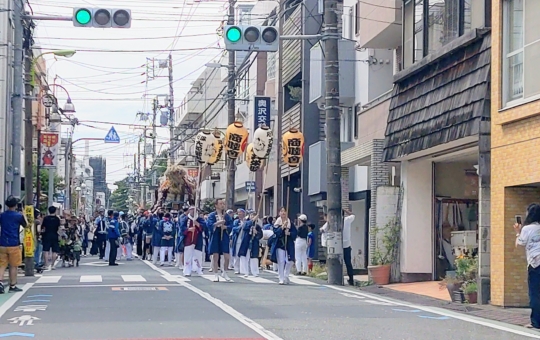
(528, 236)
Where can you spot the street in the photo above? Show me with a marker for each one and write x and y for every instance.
(138, 300)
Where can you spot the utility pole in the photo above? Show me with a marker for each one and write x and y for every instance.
(28, 153)
(171, 112)
(334, 261)
(278, 193)
(231, 96)
(17, 97)
(143, 189)
(28, 135)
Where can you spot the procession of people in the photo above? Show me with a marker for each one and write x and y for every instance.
(230, 240)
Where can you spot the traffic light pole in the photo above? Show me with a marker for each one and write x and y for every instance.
(231, 168)
(331, 36)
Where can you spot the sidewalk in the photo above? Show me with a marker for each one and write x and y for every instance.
(514, 316)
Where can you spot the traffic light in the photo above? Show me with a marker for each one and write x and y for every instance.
(101, 17)
(251, 38)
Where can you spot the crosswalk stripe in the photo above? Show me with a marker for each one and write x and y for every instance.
(295, 279)
(133, 278)
(175, 278)
(302, 282)
(49, 279)
(258, 279)
(91, 278)
(208, 277)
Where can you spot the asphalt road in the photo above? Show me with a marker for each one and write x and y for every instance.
(137, 300)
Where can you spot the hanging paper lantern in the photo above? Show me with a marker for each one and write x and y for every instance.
(218, 149)
(235, 139)
(254, 163)
(293, 147)
(204, 146)
(262, 141)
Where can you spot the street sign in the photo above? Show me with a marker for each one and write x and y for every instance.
(262, 111)
(48, 100)
(112, 136)
(250, 186)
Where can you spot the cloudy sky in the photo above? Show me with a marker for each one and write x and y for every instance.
(107, 77)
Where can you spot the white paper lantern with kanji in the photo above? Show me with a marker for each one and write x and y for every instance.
(204, 146)
(254, 163)
(262, 141)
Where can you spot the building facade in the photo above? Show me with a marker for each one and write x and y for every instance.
(515, 126)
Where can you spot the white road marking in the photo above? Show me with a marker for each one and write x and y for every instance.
(257, 279)
(294, 279)
(133, 278)
(91, 278)
(226, 308)
(13, 299)
(440, 311)
(175, 278)
(302, 282)
(112, 285)
(49, 279)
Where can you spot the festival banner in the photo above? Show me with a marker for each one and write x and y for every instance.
(49, 146)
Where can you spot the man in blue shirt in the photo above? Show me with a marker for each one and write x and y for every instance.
(10, 251)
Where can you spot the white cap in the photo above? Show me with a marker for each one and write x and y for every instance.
(302, 218)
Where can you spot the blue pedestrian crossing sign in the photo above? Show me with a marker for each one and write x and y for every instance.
(112, 136)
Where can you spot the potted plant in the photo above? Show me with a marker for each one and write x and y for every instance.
(470, 289)
(452, 284)
(386, 240)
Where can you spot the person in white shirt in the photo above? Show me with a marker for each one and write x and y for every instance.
(324, 230)
(528, 236)
(347, 222)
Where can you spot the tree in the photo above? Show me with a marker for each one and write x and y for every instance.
(119, 198)
(159, 165)
(44, 183)
(208, 205)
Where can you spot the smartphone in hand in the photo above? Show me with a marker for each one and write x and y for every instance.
(518, 219)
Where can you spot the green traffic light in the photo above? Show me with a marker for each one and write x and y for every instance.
(83, 16)
(234, 34)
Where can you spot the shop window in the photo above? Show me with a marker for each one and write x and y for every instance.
(521, 41)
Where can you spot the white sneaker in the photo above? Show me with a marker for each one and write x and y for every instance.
(281, 283)
(216, 278)
(226, 277)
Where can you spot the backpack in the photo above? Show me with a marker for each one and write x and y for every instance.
(124, 229)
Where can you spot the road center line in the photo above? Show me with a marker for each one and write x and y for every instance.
(259, 329)
(12, 300)
(443, 312)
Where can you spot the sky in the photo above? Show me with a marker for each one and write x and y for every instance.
(107, 79)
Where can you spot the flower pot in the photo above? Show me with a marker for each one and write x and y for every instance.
(380, 275)
(472, 297)
(452, 287)
(458, 296)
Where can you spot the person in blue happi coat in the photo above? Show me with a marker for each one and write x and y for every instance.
(179, 245)
(249, 247)
(240, 227)
(219, 225)
(282, 249)
(156, 235)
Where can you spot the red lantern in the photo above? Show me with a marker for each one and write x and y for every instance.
(293, 147)
(235, 139)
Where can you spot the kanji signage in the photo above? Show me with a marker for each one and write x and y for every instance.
(49, 145)
(262, 111)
